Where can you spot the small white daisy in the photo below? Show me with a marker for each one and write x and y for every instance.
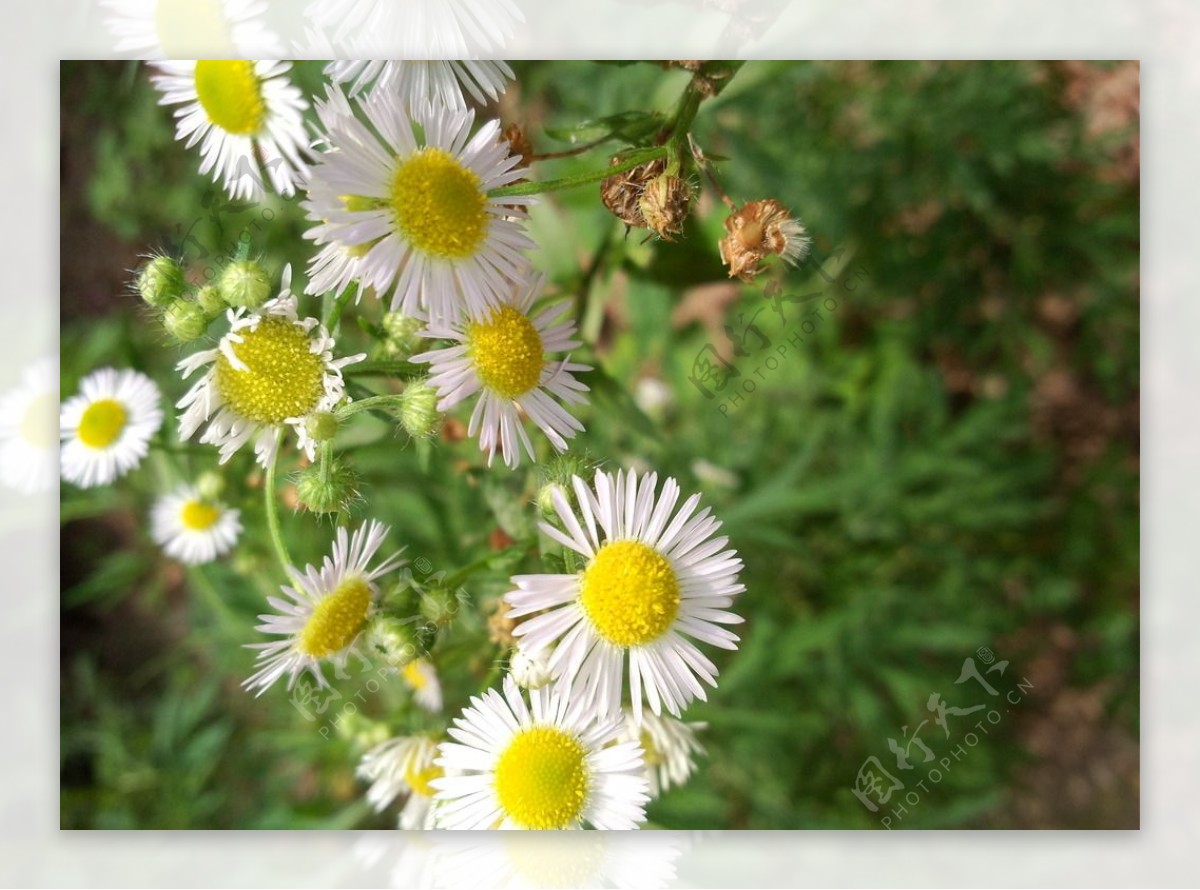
(669, 747)
(29, 429)
(414, 211)
(192, 528)
(322, 617)
(422, 678)
(182, 29)
(425, 85)
(403, 767)
(418, 29)
(501, 354)
(243, 113)
(551, 764)
(653, 577)
(272, 370)
(106, 428)
(529, 672)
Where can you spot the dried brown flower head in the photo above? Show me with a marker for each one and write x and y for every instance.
(664, 205)
(622, 192)
(758, 230)
(518, 143)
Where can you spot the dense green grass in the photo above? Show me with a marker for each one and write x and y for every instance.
(945, 458)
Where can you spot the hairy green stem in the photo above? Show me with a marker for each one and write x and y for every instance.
(272, 506)
(403, 370)
(634, 158)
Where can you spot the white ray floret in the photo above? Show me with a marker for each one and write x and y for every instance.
(106, 428)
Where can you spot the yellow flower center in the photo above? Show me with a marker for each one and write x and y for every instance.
(414, 673)
(439, 204)
(507, 352)
(102, 423)
(649, 752)
(189, 29)
(39, 426)
(419, 779)
(198, 516)
(336, 620)
(541, 778)
(231, 95)
(283, 378)
(630, 593)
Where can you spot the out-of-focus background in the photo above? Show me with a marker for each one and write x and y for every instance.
(927, 456)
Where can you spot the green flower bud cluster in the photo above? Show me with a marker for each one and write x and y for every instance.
(185, 310)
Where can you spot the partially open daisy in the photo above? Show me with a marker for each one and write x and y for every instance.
(551, 764)
(106, 428)
(421, 677)
(242, 113)
(501, 354)
(182, 29)
(323, 615)
(192, 528)
(403, 767)
(270, 372)
(417, 29)
(416, 207)
(425, 85)
(29, 429)
(653, 577)
(668, 745)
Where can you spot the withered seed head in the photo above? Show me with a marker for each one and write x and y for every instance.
(518, 143)
(622, 192)
(664, 205)
(758, 230)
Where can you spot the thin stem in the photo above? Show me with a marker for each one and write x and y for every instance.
(336, 309)
(404, 370)
(272, 505)
(373, 403)
(635, 158)
(568, 152)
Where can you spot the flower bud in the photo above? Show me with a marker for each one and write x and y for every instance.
(400, 640)
(330, 489)
(418, 412)
(529, 672)
(402, 339)
(545, 498)
(664, 205)
(758, 230)
(185, 321)
(161, 281)
(244, 283)
(439, 605)
(321, 426)
(210, 486)
(210, 300)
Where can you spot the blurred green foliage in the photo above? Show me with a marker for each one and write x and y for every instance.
(944, 460)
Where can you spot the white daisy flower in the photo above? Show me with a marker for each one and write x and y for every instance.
(416, 208)
(403, 767)
(501, 354)
(242, 113)
(669, 747)
(106, 428)
(29, 429)
(551, 764)
(192, 528)
(529, 672)
(322, 617)
(425, 85)
(271, 371)
(653, 577)
(422, 678)
(418, 29)
(183, 29)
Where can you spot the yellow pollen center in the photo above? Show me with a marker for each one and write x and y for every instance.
(102, 423)
(415, 676)
(231, 95)
(541, 778)
(336, 620)
(630, 593)
(198, 516)
(507, 352)
(439, 204)
(283, 377)
(189, 29)
(39, 426)
(419, 780)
